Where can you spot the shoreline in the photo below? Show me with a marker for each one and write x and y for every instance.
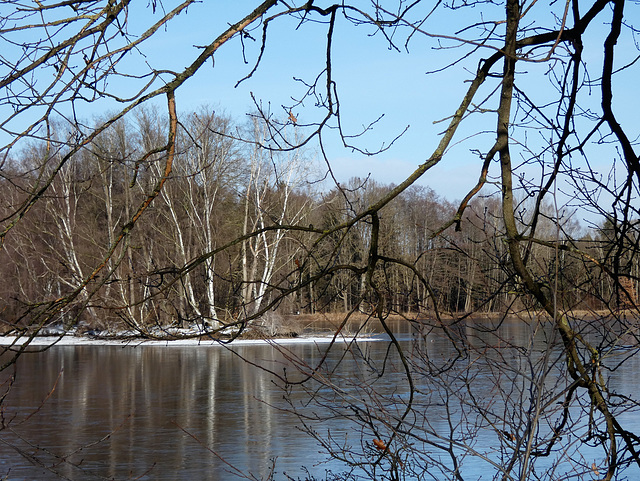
(319, 330)
(70, 340)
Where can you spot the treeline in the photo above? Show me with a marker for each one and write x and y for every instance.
(240, 229)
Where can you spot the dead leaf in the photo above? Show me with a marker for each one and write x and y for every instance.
(379, 444)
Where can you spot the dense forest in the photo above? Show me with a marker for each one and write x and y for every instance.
(192, 262)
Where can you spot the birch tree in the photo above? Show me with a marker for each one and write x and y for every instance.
(273, 179)
(210, 168)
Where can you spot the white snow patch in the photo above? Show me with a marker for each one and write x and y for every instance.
(86, 341)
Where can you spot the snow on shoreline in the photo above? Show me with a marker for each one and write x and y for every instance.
(71, 340)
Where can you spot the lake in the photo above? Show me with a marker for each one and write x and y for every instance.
(208, 413)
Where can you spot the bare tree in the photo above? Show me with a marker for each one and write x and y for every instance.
(415, 412)
(268, 204)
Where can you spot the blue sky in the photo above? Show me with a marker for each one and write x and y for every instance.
(372, 80)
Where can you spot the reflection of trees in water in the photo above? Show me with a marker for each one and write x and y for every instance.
(126, 410)
(167, 406)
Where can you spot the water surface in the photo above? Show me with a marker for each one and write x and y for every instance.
(196, 412)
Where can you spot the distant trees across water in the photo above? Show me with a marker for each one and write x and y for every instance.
(227, 237)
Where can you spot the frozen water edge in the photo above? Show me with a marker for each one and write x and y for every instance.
(71, 340)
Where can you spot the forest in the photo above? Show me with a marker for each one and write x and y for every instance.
(192, 263)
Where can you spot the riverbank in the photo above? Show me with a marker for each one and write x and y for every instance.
(69, 340)
(293, 329)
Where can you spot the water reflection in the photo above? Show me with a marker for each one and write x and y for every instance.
(202, 412)
(174, 412)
